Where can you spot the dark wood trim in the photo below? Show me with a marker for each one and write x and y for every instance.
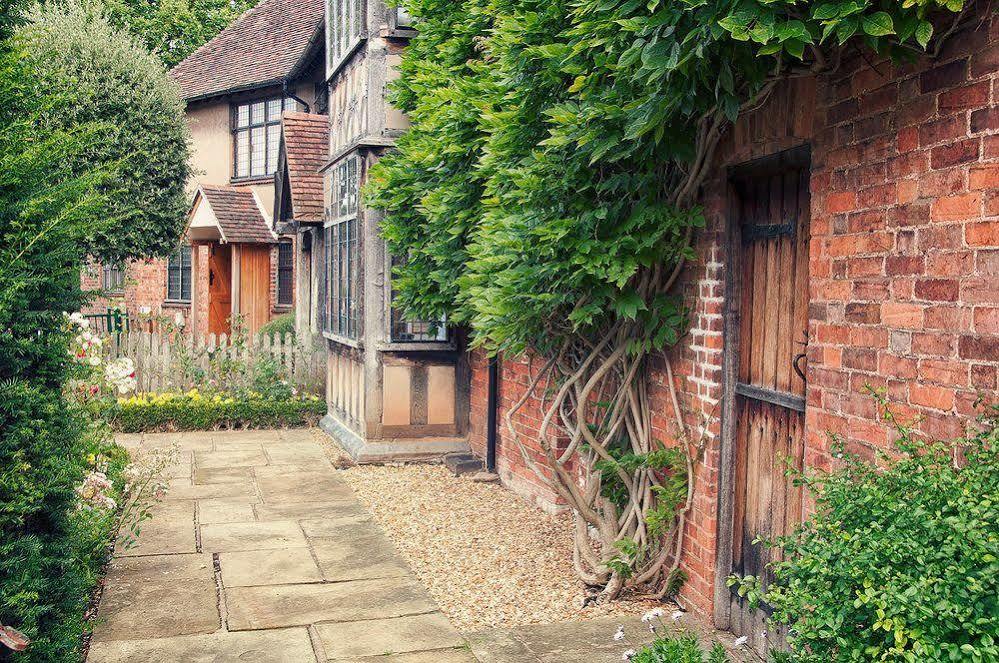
(790, 401)
(726, 456)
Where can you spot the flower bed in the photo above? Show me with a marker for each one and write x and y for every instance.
(194, 411)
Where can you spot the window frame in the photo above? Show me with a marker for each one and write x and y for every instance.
(179, 255)
(235, 130)
(337, 55)
(342, 246)
(397, 322)
(285, 274)
(113, 278)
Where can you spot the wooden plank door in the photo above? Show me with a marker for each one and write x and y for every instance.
(772, 212)
(255, 285)
(219, 288)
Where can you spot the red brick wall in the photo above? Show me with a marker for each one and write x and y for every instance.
(904, 268)
(145, 286)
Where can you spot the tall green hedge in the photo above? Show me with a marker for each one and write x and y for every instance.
(93, 153)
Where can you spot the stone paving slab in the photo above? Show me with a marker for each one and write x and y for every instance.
(338, 511)
(170, 531)
(184, 489)
(226, 510)
(269, 567)
(158, 596)
(234, 458)
(382, 637)
(278, 484)
(371, 556)
(253, 608)
(230, 537)
(210, 475)
(435, 656)
(277, 646)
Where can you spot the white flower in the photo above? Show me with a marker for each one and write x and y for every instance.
(653, 614)
(741, 640)
(677, 615)
(627, 656)
(619, 634)
(94, 360)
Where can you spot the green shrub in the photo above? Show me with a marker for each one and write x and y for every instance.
(899, 562)
(77, 110)
(111, 82)
(282, 324)
(679, 649)
(190, 412)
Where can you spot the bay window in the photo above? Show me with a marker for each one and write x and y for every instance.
(343, 252)
(344, 28)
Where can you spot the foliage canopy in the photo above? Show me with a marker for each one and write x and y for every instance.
(173, 29)
(89, 129)
(110, 83)
(546, 196)
(551, 143)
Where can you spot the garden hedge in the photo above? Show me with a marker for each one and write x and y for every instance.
(186, 413)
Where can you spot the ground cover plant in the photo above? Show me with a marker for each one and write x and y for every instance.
(900, 561)
(61, 191)
(584, 129)
(671, 642)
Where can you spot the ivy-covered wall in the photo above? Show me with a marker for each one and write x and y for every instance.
(904, 267)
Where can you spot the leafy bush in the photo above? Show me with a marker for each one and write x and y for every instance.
(191, 411)
(113, 84)
(282, 324)
(72, 114)
(679, 649)
(899, 563)
(176, 28)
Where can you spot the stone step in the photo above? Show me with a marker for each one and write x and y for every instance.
(462, 463)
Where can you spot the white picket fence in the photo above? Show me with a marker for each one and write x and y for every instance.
(164, 362)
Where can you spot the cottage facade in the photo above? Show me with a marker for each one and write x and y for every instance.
(395, 387)
(231, 263)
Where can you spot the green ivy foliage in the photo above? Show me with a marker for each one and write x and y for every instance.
(108, 81)
(549, 141)
(900, 562)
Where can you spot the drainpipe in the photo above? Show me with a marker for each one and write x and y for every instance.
(491, 407)
(286, 89)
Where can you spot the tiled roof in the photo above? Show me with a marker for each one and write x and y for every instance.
(262, 47)
(238, 214)
(306, 143)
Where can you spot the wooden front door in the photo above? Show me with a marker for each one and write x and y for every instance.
(255, 285)
(771, 212)
(219, 288)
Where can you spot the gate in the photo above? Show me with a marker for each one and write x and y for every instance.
(769, 309)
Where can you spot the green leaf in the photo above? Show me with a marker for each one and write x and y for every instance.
(924, 31)
(878, 24)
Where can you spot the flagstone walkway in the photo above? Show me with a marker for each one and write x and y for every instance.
(261, 553)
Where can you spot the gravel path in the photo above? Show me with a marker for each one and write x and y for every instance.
(488, 558)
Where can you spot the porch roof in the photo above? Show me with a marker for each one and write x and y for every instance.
(230, 214)
(304, 145)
